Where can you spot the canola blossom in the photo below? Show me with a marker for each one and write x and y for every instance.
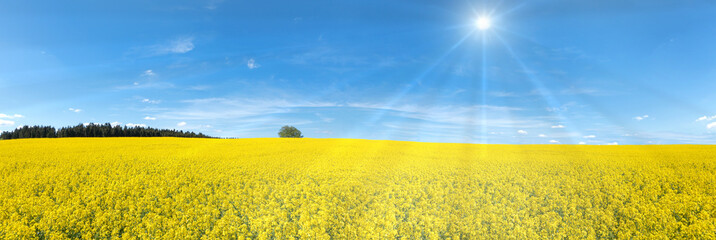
(172, 188)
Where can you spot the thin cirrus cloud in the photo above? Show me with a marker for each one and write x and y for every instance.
(4, 122)
(148, 73)
(181, 124)
(450, 119)
(75, 110)
(711, 125)
(639, 118)
(590, 136)
(522, 132)
(558, 126)
(179, 45)
(150, 118)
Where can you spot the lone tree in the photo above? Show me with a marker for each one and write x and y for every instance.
(289, 132)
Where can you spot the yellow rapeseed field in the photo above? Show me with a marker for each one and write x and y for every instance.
(171, 188)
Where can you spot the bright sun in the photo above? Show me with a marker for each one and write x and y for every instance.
(483, 23)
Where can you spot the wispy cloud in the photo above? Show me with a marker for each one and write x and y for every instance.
(181, 124)
(150, 118)
(522, 132)
(4, 122)
(200, 87)
(235, 108)
(558, 126)
(711, 125)
(706, 118)
(150, 101)
(639, 118)
(251, 64)
(75, 110)
(146, 85)
(613, 143)
(177, 45)
(148, 73)
(6, 116)
(590, 136)
(542, 136)
(553, 141)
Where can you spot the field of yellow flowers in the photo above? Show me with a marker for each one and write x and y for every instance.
(172, 188)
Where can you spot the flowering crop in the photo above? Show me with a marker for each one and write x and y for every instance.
(171, 188)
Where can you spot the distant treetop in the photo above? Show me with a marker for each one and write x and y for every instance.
(95, 130)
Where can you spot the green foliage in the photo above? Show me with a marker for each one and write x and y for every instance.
(95, 130)
(289, 132)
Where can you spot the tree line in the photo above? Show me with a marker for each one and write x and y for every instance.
(95, 130)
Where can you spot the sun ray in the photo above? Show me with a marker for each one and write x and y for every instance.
(543, 92)
(416, 81)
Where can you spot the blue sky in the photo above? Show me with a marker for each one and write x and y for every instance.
(570, 72)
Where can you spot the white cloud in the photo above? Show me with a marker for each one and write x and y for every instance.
(639, 118)
(553, 141)
(590, 136)
(11, 116)
(582, 143)
(251, 64)
(148, 73)
(75, 110)
(542, 135)
(558, 126)
(6, 122)
(706, 118)
(114, 124)
(146, 85)
(451, 119)
(523, 132)
(150, 118)
(178, 45)
(181, 45)
(132, 125)
(711, 125)
(147, 100)
(613, 143)
(181, 124)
